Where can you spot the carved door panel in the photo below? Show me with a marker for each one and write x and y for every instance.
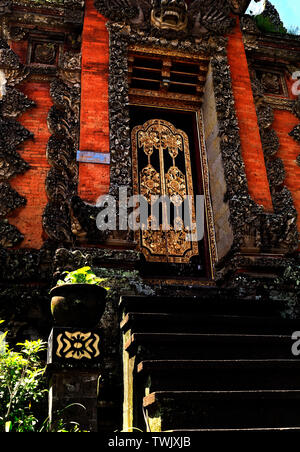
(162, 174)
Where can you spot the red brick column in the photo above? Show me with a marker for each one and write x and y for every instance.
(94, 122)
(252, 151)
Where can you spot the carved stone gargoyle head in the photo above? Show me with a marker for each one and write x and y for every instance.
(169, 14)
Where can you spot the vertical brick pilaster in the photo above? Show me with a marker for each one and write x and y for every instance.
(94, 122)
(252, 150)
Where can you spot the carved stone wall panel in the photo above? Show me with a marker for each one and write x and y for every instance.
(13, 133)
(266, 88)
(62, 179)
(276, 173)
(73, 11)
(295, 133)
(278, 229)
(66, 218)
(245, 214)
(44, 27)
(11, 164)
(9, 235)
(59, 222)
(12, 104)
(9, 199)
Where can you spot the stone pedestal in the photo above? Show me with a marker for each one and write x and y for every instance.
(74, 368)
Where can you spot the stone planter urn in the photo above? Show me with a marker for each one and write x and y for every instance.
(77, 305)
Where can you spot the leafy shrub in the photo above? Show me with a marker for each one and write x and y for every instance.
(22, 385)
(23, 391)
(83, 275)
(287, 289)
(123, 281)
(267, 26)
(117, 280)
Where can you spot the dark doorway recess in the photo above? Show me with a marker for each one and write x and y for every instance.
(199, 266)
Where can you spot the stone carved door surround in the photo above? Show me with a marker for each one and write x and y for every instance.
(235, 216)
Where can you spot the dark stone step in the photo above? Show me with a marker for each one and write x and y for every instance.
(206, 323)
(211, 301)
(205, 375)
(223, 409)
(208, 346)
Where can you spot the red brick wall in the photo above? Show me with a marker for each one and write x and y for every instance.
(32, 184)
(94, 178)
(252, 151)
(94, 126)
(249, 132)
(20, 48)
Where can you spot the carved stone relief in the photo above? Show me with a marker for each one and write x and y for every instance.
(172, 18)
(295, 133)
(12, 104)
(62, 179)
(281, 227)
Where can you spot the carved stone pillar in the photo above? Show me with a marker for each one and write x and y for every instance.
(74, 362)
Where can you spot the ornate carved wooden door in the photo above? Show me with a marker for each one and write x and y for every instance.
(162, 173)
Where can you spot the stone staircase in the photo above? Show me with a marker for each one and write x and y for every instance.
(207, 363)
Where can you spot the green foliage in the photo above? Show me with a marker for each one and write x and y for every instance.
(266, 25)
(284, 290)
(22, 385)
(23, 389)
(83, 275)
(119, 281)
(59, 425)
(287, 289)
(124, 282)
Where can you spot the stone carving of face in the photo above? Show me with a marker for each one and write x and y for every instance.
(169, 14)
(2, 84)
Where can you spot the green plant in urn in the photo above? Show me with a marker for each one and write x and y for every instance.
(79, 299)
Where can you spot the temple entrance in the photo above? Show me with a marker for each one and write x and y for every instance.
(168, 173)
(163, 176)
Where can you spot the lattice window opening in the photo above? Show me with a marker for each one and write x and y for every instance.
(167, 75)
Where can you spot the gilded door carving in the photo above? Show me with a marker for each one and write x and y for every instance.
(162, 170)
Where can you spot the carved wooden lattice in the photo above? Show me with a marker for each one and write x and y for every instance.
(162, 173)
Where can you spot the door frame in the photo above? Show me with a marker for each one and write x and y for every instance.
(200, 158)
